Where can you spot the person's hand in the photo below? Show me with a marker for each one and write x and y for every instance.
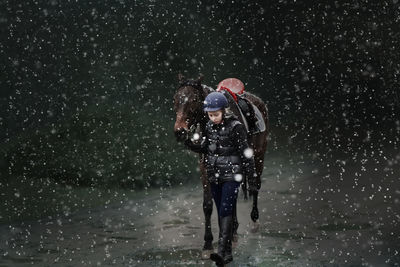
(192, 129)
(194, 133)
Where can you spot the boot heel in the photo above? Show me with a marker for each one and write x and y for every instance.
(218, 259)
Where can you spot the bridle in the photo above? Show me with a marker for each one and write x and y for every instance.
(199, 117)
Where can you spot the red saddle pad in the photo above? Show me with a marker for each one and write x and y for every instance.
(232, 84)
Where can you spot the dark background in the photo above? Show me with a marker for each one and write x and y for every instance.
(86, 87)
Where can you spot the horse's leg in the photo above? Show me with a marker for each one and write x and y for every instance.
(244, 189)
(254, 215)
(207, 209)
(235, 236)
(254, 211)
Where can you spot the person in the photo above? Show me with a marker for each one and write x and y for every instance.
(227, 158)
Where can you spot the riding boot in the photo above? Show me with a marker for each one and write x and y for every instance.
(224, 243)
(228, 226)
(228, 251)
(220, 232)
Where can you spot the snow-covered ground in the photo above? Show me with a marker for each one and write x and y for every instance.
(337, 213)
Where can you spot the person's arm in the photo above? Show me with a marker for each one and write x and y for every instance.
(246, 155)
(200, 147)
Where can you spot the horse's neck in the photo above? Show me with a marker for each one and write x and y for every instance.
(207, 89)
(204, 119)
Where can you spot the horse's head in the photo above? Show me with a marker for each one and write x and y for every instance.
(188, 105)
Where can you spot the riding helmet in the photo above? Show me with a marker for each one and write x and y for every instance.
(215, 101)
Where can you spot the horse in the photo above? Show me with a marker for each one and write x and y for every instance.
(188, 106)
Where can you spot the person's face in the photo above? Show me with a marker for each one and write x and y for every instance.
(215, 116)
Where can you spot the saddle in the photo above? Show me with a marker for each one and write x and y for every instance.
(247, 112)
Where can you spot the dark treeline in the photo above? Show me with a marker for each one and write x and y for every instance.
(86, 87)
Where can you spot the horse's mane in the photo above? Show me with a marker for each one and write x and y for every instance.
(192, 83)
(196, 84)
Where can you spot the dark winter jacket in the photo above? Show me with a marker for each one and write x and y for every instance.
(224, 147)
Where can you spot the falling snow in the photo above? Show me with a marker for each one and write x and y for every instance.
(91, 173)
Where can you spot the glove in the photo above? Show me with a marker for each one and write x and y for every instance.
(195, 133)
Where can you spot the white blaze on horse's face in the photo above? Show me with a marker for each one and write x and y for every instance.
(215, 116)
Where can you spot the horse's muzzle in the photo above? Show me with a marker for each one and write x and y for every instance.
(181, 134)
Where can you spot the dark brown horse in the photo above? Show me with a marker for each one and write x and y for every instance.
(188, 105)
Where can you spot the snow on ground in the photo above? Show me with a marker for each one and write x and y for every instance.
(310, 215)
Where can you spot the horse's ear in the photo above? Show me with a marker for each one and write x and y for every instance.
(200, 79)
(181, 78)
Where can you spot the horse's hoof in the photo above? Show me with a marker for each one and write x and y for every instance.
(205, 254)
(255, 227)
